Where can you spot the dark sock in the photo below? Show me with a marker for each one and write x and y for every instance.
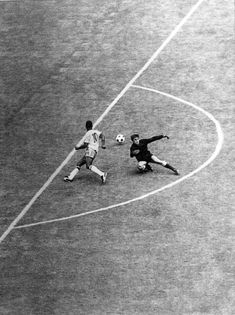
(171, 168)
(148, 167)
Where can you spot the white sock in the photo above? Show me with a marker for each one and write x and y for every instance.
(73, 174)
(96, 170)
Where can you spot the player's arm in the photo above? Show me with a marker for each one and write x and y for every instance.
(102, 137)
(82, 146)
(134, 152)
(156, 138)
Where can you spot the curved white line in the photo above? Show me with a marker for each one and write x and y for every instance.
(125, 89)
(213, 156)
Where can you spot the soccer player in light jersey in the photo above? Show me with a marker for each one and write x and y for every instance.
(91, 146)
(139, 150)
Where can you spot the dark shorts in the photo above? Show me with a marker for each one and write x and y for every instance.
(146, 158)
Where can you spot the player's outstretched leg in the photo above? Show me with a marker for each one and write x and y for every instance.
(94, 169)
(76, 170)
(103, 178)
(71, 176)
(165, 164)
(172, 168)
(102, 175)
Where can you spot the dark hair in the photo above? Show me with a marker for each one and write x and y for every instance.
(89, 124)
(135, 135)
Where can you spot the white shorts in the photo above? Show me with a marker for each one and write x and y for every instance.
(90, 153)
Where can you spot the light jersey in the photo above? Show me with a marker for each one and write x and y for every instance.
(92, 138)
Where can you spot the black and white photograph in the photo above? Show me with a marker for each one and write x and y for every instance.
(117, 138)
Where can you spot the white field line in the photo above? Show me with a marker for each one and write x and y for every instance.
(206, 163)
(57, 171)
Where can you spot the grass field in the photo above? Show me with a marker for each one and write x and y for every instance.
(151, 243)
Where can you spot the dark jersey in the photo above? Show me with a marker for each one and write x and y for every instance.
(144, 154)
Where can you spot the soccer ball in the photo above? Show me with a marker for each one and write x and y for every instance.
(120, 138)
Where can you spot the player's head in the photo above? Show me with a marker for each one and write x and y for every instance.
(135, 138)
(89, 125)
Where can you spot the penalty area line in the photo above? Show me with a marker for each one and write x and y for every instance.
(125, 89)
(201, 167)
(108, 207)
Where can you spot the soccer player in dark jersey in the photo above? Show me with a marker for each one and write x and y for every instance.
(139, 150)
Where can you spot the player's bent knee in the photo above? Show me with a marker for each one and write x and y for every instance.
(141, 165)
(89, 166)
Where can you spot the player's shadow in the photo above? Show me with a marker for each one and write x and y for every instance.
(85, 177)
(135, 172)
